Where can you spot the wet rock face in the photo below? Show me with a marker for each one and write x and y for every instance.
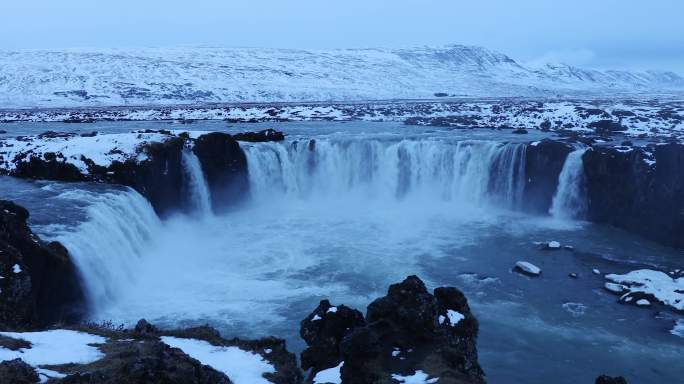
(407, 331)
(543, 164)
(625, 191)
(17, 372)
(40, 285)
(225, 168)
(159, 178)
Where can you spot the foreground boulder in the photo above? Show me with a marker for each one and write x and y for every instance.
(39, 283)
(407, 335)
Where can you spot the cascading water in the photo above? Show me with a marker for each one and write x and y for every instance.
(198, 191)
(570, 202)
(469, 172)
(107, 247)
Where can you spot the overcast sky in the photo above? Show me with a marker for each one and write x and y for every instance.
(592, 33)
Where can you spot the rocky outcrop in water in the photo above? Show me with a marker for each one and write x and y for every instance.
(409, 333)
(604, 379)
(638, 189)
(38, 281)
(225, 168)
(544, 162)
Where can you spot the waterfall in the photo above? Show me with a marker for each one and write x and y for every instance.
(198, 191)
(470, 172)
(108, 245)
(569, 202)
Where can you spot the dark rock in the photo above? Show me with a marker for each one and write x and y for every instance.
(225, 168)
(143, 328)
(543, 164)
(89, 134)
(17, 372)
(604, 379)
(323, 330)
(143, 361)
(260, 137)
(624, 191)
(40, 285)
(606, 127)
(441, 94)
(409, 330)
(520, 131)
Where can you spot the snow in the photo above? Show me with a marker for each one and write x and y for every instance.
(615, 288)
(596, 271)
(46, 374)
(660, 285)
(332, 310)
(643, 303)
(553, 245)
(453, 316)
(678, 329)
(316, 318)
(419, 377)
(101, 149)
(16, 268)
(55, 347)
(528, 267)
(242, 367)
(172, 76)
(330, 375)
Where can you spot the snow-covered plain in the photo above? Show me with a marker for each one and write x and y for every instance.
(162, 76)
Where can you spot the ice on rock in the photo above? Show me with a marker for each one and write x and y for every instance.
(329, 376)
(615, 288)
(660, 285)
(316, 318)
(528, 268)
(332, 310)
(553, 245)
(419, 377)
(596, 271)
(16, 268)
(643, 303)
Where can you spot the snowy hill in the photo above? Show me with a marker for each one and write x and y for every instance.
(206, 75)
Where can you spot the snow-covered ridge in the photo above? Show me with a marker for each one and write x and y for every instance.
(108, 77)
(77, 150)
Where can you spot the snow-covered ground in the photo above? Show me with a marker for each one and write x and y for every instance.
(242, 367)
(101, 149)
(637, 117)
(162, 76)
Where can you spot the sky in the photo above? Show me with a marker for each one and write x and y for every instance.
(624, 34)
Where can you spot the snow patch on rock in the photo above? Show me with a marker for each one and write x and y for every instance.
(329, 376)
(242, 367)
(659, 285)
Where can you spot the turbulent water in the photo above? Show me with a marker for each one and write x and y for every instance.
(353, 210)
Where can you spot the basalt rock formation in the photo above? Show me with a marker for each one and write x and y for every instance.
(638, 191)
(39, 284)
(544, 162)
(409, 332)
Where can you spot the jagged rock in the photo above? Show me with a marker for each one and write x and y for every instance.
(40, 284)
(544, 161)
(323, 331)
(260, 137)
(143, 328)
(625, 191)
(408, 331)
(225, 168)
(17, 372)
(604, 379)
